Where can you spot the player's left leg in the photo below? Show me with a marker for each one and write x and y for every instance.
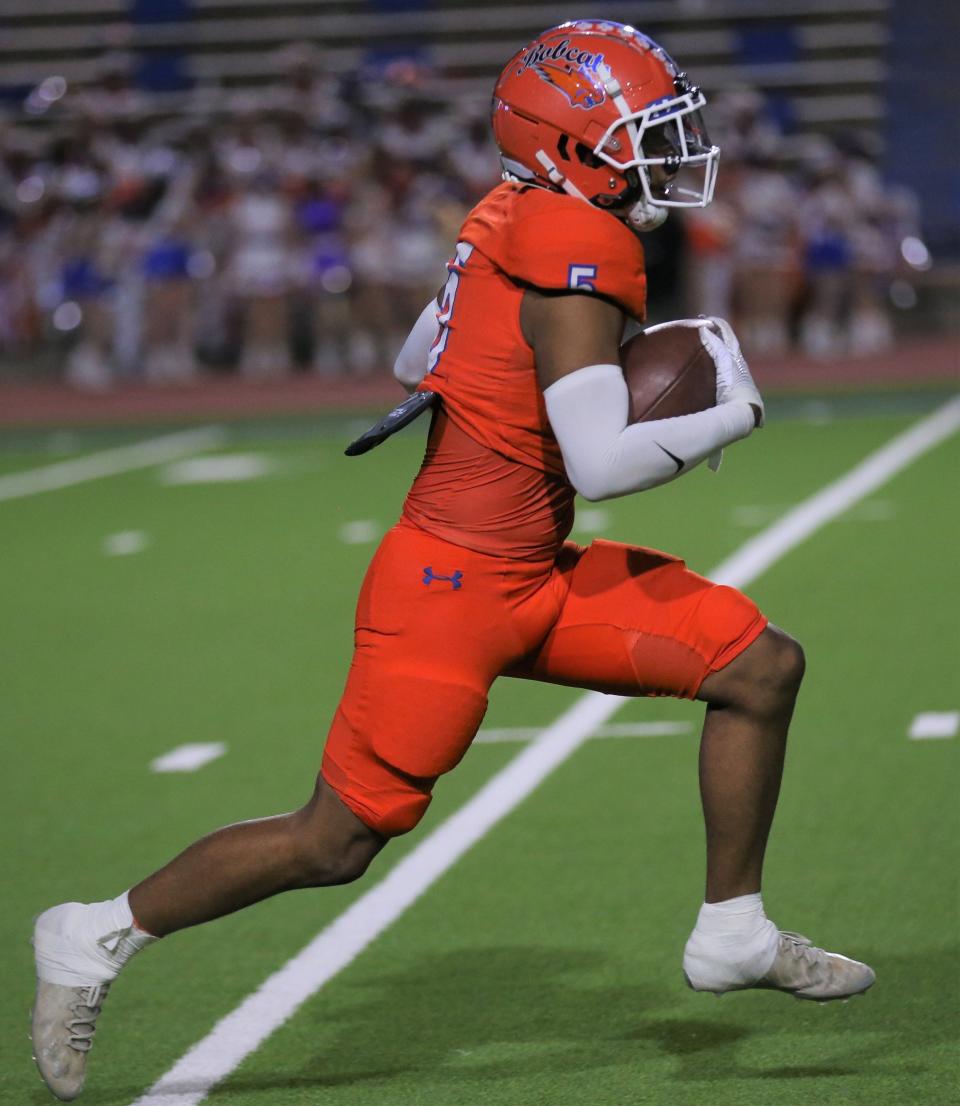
(435, 625)
(638, 622)
(322, 844)
(81, 947)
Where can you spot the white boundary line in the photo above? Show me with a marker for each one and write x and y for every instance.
(621, 729)
(242, 1031)
(759, 553)
(110, 462)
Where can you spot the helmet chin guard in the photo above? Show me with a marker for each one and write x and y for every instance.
(643, 216)
(599, 110)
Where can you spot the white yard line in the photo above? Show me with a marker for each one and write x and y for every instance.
(934, 725)
(228, 468)
(189, 758)
(110, 462)
(238, 1034)
(125, 543)
(361, 531)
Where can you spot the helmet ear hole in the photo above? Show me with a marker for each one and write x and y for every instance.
(631, 193)
(587, 157)
(562, 143)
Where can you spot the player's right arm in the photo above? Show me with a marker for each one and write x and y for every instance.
(410, 366)
(576, 341)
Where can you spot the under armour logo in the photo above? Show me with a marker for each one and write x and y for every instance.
(429, 576)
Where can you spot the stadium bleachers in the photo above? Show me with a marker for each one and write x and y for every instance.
(820, 62)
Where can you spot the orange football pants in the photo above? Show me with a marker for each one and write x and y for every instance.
(436, 624)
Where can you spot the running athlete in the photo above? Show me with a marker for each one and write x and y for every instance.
(600, 136)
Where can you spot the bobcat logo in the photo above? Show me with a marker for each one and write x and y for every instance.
(575, 83)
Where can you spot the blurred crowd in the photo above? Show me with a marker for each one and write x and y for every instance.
(805, 243)
(302, 227)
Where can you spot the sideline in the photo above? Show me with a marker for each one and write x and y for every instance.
(819, 407)
(110, 462)
(241, 1032)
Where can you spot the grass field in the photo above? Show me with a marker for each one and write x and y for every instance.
(544, 967)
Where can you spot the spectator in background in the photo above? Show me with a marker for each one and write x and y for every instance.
(78, 238)
(413, 133)
(473, 160)
(217, 335)
(886, 217)
(766, 254)
(741, 123)
(24, 204)
(711, 239)
(307, 89)
(112, 93)
(261, 271)
(744, 246)
(310, 219)
(169, 295)
(19, 317)
(827, 216)
(325, 275)
(397, 251)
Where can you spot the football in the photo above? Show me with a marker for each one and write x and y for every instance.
(668, 373)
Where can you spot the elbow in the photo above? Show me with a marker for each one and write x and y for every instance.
(406, 374)
(590, 487)
(595, 489)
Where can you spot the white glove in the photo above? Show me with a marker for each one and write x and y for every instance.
(734, 381)
(720, 355)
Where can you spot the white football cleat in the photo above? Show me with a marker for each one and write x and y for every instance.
(64, 1022)
(804, 971)
(78, 954)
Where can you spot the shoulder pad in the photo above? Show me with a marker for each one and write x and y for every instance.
(557, 242)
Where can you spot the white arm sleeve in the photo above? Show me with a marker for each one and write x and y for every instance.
(605, 457)
(410, 366)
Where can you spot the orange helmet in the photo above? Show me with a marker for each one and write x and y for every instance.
(591, 107)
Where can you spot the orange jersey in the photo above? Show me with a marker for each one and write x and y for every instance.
(493, 478)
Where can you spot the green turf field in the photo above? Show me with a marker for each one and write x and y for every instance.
(544, 968)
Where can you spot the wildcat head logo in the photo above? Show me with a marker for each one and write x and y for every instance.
(576, 83)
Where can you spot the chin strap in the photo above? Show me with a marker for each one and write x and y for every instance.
(556, 177)
(643, 216)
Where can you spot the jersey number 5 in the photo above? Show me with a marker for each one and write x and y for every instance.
(455, 266)
(582, 277)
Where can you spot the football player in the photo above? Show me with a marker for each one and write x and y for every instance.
(600, 135)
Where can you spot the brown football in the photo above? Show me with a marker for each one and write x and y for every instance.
(668, 373)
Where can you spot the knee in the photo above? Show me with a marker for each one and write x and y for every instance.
(791, 662)
(330, 844)
(320, 866)
(778, 669)
(763, 680)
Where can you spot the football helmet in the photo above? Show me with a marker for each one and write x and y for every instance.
(601, 111)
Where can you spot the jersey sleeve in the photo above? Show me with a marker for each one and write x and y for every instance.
(558, 243)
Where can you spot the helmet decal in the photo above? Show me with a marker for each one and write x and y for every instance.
(576, 83)
(562, 52)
